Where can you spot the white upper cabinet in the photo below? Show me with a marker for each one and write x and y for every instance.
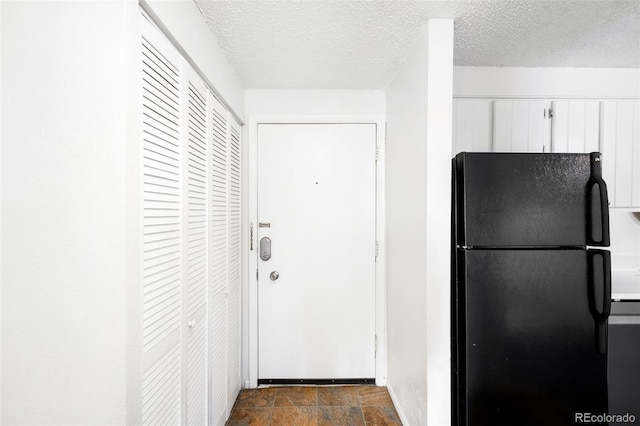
(472, 125)
(575, 126)
(521, 126)
(620, 121)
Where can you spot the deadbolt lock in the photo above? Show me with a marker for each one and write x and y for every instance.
(265, 248)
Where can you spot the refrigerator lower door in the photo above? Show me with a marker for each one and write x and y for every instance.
(527, 328)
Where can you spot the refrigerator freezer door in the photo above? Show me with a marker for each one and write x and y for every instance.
(527, 325)
(530, 200)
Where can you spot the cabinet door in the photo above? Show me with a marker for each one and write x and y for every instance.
(624, 368)
(472, 125)
(575, 126)
(621, 152)
(521, 126)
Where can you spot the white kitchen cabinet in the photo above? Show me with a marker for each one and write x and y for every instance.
(521, 126)
(578, 126)
(472, 125)
(620, 141)
(575, 126)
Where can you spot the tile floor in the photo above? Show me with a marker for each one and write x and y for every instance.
(317, 406)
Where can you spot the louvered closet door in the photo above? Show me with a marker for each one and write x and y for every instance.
(218, 258)
(233, 359)
(162, 257)
(196, 201)
(192, 276)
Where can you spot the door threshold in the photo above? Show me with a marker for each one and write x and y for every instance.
(321, 382)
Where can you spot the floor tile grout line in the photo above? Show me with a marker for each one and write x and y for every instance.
(364, 419)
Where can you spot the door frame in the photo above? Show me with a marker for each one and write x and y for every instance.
(250, 284)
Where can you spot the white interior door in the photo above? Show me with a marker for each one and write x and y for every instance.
(317, 205)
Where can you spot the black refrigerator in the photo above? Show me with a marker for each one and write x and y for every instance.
(530, 293)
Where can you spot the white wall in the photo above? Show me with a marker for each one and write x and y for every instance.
(70, 202)
(439, 146)
(315, 102)
(63, 147)
(184, 24)
(1, 212)
(625, 236)
(406, 235)
(501, 82)
(418, 209)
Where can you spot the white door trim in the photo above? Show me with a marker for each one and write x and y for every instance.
(250, 286)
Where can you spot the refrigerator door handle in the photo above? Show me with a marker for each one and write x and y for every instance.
(598, 208)
(600, 294)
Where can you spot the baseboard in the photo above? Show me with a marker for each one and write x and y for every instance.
(396, 403)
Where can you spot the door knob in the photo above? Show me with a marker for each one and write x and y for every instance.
(274, 275)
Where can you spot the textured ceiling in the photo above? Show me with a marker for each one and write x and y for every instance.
(345, 44)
